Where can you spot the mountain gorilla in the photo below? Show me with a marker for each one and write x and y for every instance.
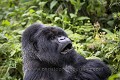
(49, 55)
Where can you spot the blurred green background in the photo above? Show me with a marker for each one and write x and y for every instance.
(92, 25)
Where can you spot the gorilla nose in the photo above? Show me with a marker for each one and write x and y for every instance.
(63, 39)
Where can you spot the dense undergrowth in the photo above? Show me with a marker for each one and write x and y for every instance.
(92, 25)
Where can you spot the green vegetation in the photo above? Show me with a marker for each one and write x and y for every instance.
(92, 25)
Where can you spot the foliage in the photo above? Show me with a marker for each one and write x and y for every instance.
(92, 25)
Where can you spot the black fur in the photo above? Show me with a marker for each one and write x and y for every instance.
(43, 60)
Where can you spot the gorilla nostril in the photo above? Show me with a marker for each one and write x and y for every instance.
(62, 39)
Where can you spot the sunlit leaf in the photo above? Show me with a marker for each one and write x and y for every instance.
(53, 3)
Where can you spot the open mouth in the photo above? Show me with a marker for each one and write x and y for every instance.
(67, 48)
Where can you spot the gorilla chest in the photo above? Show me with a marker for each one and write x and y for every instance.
(64, 73)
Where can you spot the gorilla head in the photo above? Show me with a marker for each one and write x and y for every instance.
(50, 47)
(48, 44)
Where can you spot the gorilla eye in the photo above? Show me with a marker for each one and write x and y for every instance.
(52, 37)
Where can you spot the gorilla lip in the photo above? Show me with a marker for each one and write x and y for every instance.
(67, 48)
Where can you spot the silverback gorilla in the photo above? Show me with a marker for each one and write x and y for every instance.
(49, 55)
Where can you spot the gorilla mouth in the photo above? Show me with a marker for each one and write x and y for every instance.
(67, 48)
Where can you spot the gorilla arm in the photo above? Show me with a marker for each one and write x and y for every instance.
(92, 69)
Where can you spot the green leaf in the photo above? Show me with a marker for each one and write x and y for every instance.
(23, 1)
(57, 18)
(5, 22)
(42, 4)
(93, 57)
(118, 57)
(73, 2)
(73, 15)
(69, 32)
(108, 31)
(83, 18)
(110, 23)
(31, 11)
(115, 76)
(12, 53)
(53, 3)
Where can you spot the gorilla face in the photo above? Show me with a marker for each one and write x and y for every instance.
(55, 37)
(50, 44)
